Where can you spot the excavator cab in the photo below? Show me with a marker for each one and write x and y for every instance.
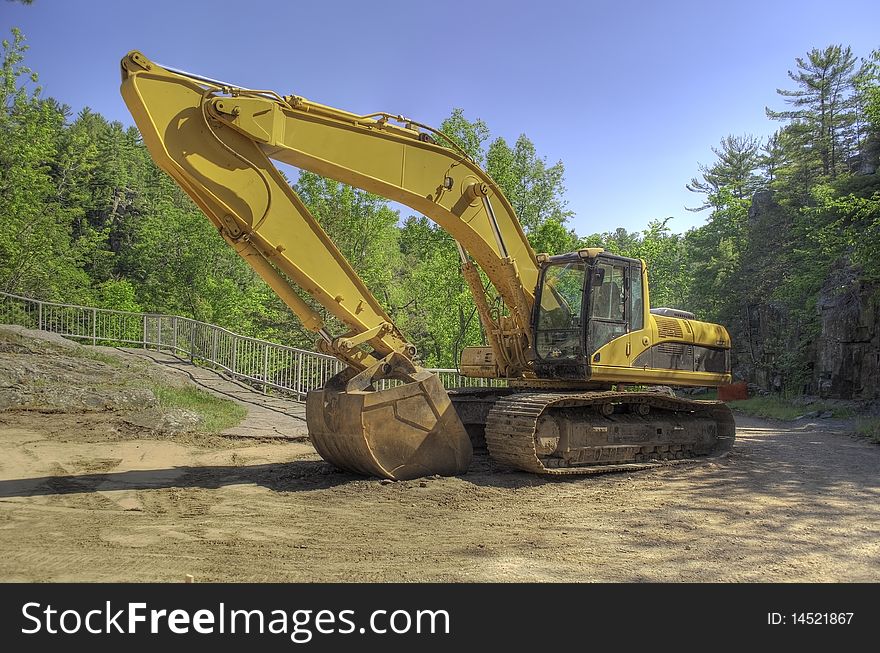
(584, 300)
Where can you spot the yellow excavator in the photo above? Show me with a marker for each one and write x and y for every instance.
(573, 335)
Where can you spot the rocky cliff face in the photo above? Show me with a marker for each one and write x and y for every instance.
(833, 352)
(760, 326)
(847, 362)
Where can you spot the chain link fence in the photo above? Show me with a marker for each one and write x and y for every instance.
(263, 364)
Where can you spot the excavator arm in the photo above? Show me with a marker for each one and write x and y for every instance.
(217, 141)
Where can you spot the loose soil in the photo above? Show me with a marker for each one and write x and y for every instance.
(88, 496)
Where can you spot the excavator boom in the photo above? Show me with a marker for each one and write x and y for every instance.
(216, 141)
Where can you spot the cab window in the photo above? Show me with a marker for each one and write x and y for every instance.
(608, 305)
(559, 312)
(637, 301)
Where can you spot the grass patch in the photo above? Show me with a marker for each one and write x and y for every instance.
(781, 408)
(217, 414)
(869, 427)
(101, 357)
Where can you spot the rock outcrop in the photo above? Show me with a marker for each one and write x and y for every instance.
(847, 362)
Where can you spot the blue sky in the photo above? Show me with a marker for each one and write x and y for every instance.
(631, 96)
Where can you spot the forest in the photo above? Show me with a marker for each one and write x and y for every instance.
(787, 258)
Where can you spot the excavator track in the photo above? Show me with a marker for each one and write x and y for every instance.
(555, 433)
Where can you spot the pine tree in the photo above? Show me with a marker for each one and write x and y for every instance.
(734, 170)
(823, 104)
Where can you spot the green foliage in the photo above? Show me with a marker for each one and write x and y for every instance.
(118, 294)
(665, 255)
(436, 307)
(823, 109)
(534, 188)
(663, 252)
(868, 84)
(439, 313)
(734, 171)
(552, 237)
(362, 226)
(781, 408)
(37, 253)
(845, 225)
(870, 428)
(465, 134)
(87, 217)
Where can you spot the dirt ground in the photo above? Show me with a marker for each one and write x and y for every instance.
(83, 498)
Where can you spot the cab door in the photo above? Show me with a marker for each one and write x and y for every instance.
(610, 310)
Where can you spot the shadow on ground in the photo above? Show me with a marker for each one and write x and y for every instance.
(292, 476)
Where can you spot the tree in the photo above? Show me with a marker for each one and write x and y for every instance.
(362, 226)
(534, 188)
(438, 311)
(735, 170)
(713, 258)
(822, 103)
(36, 256)
(553, 237)
(466, 134)
(663, 252)
(771, 157)
(868, 86)
(867, 102)
(665, 255)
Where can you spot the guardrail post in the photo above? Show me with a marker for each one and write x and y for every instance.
(214, 347)
(234, 353)
(94, 326)
(174, 336)
(159, 333)
(39, 316)
(144, 340)
(265, 367)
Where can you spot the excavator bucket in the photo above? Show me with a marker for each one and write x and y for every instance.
(401, 432)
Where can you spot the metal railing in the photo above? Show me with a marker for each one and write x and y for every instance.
(263, 364)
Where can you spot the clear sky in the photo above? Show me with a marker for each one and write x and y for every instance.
(631, 96)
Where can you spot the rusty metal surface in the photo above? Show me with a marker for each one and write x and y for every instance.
(403, 432)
